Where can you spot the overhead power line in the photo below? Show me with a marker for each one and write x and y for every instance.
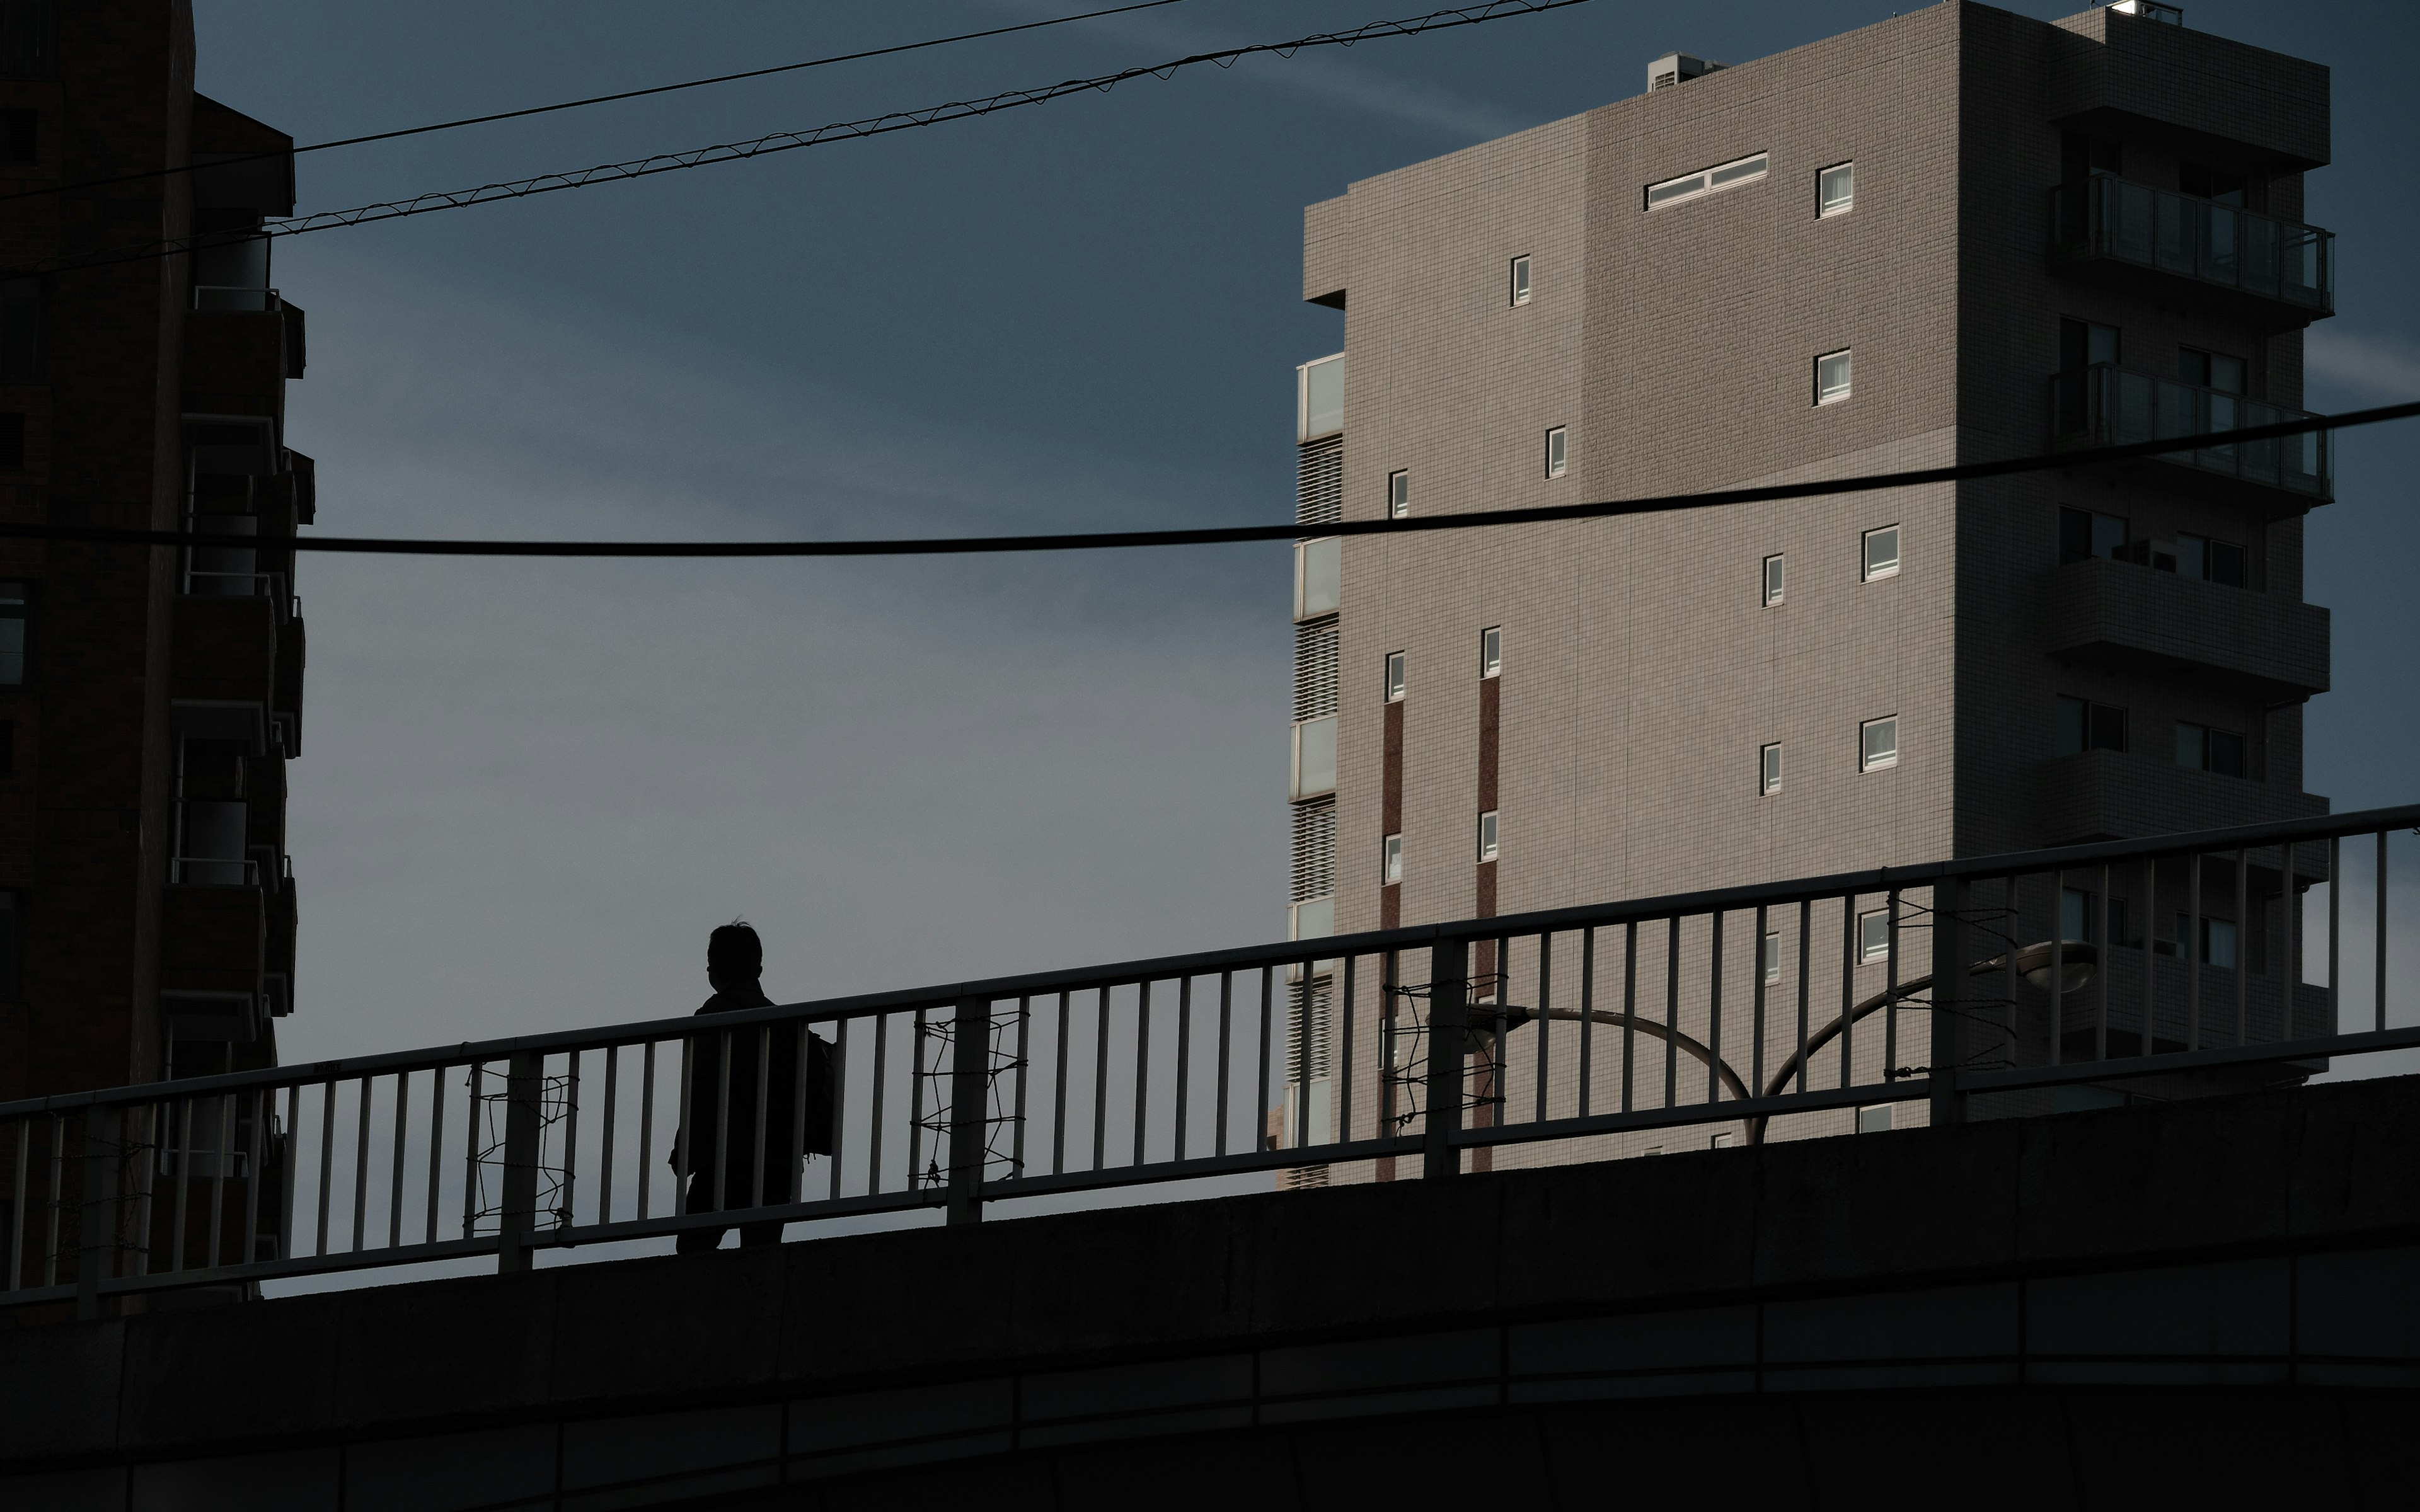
(1235, 534)
(591, 100)
(902, 121)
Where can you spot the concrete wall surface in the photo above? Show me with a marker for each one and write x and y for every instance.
(2076, 1309)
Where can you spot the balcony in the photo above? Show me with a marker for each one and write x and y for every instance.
(241, 346)
(2104, 405)
(2129, 618)
(2115, 795)
(213, 938)
(2198, 251)
(224, 649)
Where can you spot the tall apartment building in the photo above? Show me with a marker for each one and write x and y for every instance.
(149, 697)
(1953, 235)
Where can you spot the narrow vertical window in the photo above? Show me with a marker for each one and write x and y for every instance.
(1318, 567)
(1832, 377)
(1878, 743)
(1878, 553)
(12, 634)
(1836, 188)
(1394, 677)
(1521, 279)
(1773, 580)
(1769, 769)
(1487, 835)
(1390, 859)
(1398, 494)
(1491, 651)
(1770, 957)
(1874, 1119)
(1555, 451)
(1873, 937)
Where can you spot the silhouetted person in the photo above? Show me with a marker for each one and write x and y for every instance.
(723, 1156)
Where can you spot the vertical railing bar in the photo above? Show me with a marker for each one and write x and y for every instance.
(1714, 1005)
(684, 1137)
(874, 1123)
(722, 1124)
(58, 1199)
(436, 1148)
(566, 1200)
(2189, 948)
(23, 1134)
(2109, 965)
(286, 1166)
(260, 1106)
(1629, 1011)
(1344, 1073)
(2242, 941)
(1024, 1075)
(2013, 896)
(648, 1132)
(184, 1178)
(1756, 1051)
(1142, 1066)
(1672, 1013)
(605, 1143)
(2058, 969)
(1389, 978)
(2380, 986)
(840, 1105)
(470, 1147)
(756, 1161)
(2289, 897)
(1184, 1057)
(220, 1162)
(362, 1166)
(1805, 968)
(1101, 1079)
(1588, 1015)
(145, 1144)
(915, 1101)
(801, 1077)
(1298, 1066)
(2150, 927)
(1546, 1014)
(1059, 1089)
(1261, 1109)
(1226, 1033)
(1501, 1089)
(1848, 984)
(327, 1159)
(1890, 986)
(394, 1178)
(2336, 934)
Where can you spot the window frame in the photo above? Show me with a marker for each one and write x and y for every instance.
(1769, 959)
(1398, 494)
(1397, 676)
(1558, 451)
(1768, 770)
(1846, 358)
(1491, 652)
(1698, 185)
(1824, 209)
(1490, 834)
(1867, 760)
(1876, 955)
(1776, 584)
(1390, 859)
(1519, 290)
(1869, 571)
(1322, 546)
(2089, 730)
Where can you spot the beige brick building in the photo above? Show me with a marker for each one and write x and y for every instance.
(1954, 236)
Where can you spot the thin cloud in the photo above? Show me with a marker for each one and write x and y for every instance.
(2386, 367)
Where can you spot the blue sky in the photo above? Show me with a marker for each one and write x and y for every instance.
(529, 788)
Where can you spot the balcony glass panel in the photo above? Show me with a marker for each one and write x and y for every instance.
(2109, 406)
(2106, 216)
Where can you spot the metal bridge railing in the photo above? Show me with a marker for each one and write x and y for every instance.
(1988, 987)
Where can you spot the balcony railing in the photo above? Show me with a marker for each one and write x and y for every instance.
(2105, 217)
(233, 300)
(2108, 405)
(1970, 987)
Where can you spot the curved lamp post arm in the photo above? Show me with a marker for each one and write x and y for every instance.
(1828, 1034)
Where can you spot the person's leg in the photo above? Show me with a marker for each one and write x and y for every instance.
(700, 1200)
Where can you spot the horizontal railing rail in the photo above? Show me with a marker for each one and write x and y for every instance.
(1991, 986)
(2103, 404)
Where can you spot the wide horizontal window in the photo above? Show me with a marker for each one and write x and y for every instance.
(1706, 182)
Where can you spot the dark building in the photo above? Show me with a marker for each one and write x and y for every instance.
(149, 697)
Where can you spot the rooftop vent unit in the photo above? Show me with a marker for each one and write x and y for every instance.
(2151, 10)
(1673, 67)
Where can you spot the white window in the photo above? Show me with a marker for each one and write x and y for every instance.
(1705, 182)
(1319, 398)
(1769, 769)
(1773, 580)
(1873, 937)
(1487, 835)
(1832, 377)
(1314, 757)
(1318, 570)
(1521, 279)
(1555, 451)
(1390, 859)
(1874, 1119)
(1770, 958)
(1491, 651)
(1394, 677)
(1722, 1141)
(1836, 188)
(1878, 743)
(1652, 1150)
(1878, 553)
(1398, 494)
(1312, 920)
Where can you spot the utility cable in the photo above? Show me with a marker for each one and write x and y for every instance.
(1227, 535)
(576, 104)
(902, 120)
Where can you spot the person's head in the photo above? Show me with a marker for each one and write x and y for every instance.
(734, 956)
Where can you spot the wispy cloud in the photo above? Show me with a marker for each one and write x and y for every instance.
(2384, 367)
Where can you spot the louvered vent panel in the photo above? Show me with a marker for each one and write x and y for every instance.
(1315, 850)
(1307, 1041)
(1314, 671)
(1319, 489)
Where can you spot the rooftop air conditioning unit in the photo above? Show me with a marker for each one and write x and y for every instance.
(1674, 68)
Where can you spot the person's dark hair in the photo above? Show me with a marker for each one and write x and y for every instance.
(733, 950)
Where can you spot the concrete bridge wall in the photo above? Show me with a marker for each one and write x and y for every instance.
(2083, 1308)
